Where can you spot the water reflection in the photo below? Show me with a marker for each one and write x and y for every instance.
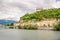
(14, 34)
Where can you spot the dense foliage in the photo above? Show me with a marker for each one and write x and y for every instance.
(42, 14)
(11, 24)
(57, 26)
(30, 26)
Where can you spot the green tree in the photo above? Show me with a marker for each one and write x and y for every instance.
(42, 14)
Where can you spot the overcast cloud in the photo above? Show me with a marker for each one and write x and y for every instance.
(14, 9)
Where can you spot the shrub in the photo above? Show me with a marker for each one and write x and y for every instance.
(11, 24)
(30, 26)
(19, 27)
(11, 27)
(25, 27)
(44, 25)
(57, 26)
(49, 25)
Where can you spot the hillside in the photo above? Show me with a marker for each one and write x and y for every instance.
(42, 14)
(4, 22)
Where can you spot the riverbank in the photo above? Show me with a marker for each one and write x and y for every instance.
(14, 27)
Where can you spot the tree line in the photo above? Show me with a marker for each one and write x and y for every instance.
(42, 14)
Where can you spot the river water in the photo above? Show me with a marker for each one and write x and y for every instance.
(15, 34)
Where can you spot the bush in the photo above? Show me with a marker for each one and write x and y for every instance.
(44, 25)
(33, 26)
(30, 26)
(49, 25)
(57, 26)
(11, 24)
(11, 27)
(19, 27)
(25, 27)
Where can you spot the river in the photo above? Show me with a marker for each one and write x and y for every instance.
(15, 34)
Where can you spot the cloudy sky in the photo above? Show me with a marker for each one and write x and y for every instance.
(14, 9)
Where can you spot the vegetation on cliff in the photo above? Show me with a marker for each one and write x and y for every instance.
(57, 26)
(42, 14)
(30, 26)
